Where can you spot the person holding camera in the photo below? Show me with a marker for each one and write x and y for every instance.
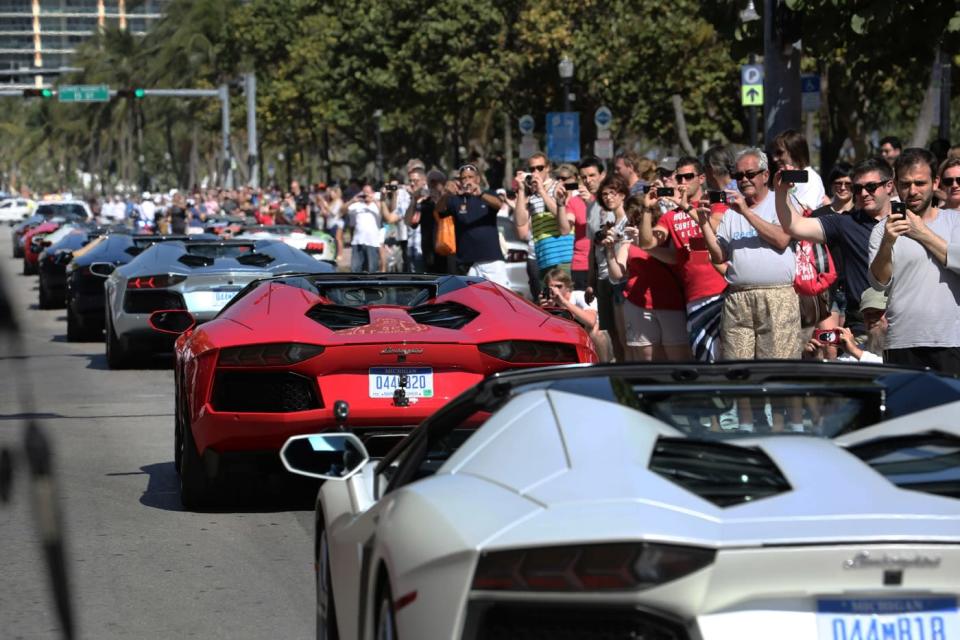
(559, 293)
(654, 322)
(873, 306)
(790, 149)
(475, 224)
(761, 310)
(675, 238)
(541, 213)
(368, 215)
(915, 258)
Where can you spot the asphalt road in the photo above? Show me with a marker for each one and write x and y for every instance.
(140, 567)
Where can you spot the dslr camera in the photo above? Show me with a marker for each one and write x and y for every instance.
(390, 187)
(528, 181)
(831, 336)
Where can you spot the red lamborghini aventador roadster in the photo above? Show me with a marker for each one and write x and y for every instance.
(299, 353)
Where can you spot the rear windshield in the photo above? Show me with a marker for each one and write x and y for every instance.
(361, 296)
(218, 250)
(62, 210)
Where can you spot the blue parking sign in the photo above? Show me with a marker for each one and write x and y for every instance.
(563, 136)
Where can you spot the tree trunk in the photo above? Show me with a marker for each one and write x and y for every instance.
(194, 163)
(507, 147)
(681, 123)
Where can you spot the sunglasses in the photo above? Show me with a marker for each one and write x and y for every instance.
(842, 184)
(949, 182)
(469, 167)
(871, 187)
(684, 177)
(749, 175)
(537, 167)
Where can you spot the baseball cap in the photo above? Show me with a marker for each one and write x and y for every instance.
(436, 176)
(668, 163)
(873, 299)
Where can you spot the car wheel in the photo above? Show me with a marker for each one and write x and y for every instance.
(28, 269)
(386, 625)
(117, 356)
(195, 489)
(326, 613)
(44, 300)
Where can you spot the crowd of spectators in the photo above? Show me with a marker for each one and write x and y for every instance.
(675, 259)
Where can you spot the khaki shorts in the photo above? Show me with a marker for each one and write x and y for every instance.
(647, 327)
(760, 323)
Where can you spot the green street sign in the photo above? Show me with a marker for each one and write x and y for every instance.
(751, 95)
(83, 93)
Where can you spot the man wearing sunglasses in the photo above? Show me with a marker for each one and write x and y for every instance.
(542, 215)
(915, 258)
(847, 234)
(761, 311)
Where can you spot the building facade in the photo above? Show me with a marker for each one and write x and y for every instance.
(43, 34)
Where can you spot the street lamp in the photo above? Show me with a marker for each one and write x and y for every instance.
(377, 115)
(746, 16)
(566, 75)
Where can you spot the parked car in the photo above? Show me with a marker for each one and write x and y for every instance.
(15, 210)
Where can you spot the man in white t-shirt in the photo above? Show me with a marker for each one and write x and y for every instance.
(365, 246)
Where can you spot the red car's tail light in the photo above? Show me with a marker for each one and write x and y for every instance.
(161, 281)
(267, 355)
(315, 247)
(600, 567)
(526, 351)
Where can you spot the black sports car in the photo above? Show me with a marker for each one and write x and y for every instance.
(55, 258)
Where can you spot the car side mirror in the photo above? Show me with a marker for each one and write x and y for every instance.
(63, 257)
(175, 321)
(102, 269)
(327, 456)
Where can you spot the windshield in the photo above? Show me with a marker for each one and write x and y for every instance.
(218, 250)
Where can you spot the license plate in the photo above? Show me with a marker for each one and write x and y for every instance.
(385, 380)
(925, 618)
(208, 300)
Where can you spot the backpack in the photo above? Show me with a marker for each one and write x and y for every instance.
(815, 269)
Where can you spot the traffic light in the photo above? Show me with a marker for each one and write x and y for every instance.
(131, 93)
(38, 93)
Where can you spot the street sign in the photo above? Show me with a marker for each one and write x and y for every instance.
(528, 146)
(527, 124)
(751, 85)
(563, 136)
(751, 95)
(603, 148)
(602, 118)
(810, 92)
(83, 93)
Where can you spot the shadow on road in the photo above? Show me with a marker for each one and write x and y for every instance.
(98, 361)
(246, 494)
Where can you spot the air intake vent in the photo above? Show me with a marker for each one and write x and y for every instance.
(336, 317)
(928, 462)
(724, 474)
(150, 301)
(448, 315)
(193, 260)
(255, 259)
(264, 392)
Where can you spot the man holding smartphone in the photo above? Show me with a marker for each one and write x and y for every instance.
(915, 258)
(849, 233)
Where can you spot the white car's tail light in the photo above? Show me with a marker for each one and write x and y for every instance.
(527, 351)
(161, 281)
(266, 355)
(600, 567)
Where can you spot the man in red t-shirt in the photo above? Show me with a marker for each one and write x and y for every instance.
(680, 235)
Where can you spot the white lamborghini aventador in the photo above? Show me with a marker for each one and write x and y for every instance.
(760, 501)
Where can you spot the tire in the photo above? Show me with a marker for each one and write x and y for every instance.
(117, 356)
(326, 612)
(195, 488)
(44, 301)
(28, 269)
(77, 331)
(386, 622)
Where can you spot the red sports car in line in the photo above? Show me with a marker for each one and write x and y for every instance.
(299, 353)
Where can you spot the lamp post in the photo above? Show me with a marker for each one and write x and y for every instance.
(749, 15)
(377, 115)
(566, 75)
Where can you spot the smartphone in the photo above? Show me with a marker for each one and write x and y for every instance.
(571, 186)
(390, 187)
(830, 337)
(663, 192)
(898, 208)
(794, 175)
(717, 197)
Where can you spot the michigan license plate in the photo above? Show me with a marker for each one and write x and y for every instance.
(207, 300)
(926, 618)
(384, 381)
